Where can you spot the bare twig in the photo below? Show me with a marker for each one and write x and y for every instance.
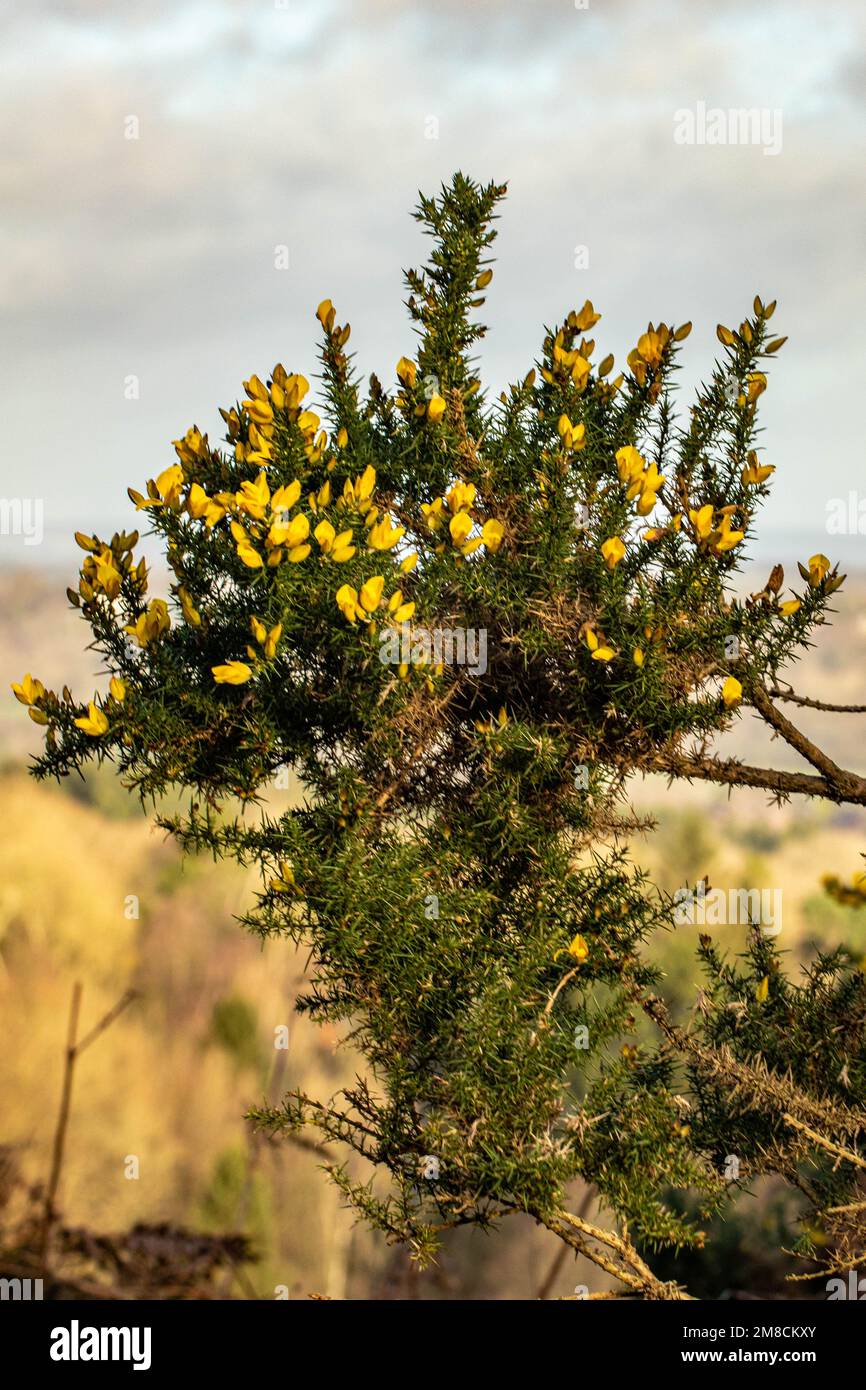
(563, 982)
(777, 694)
(823, 1143)
(732, 773)
(74, 1048)
(62, 1123)
(106, 1021)
(617, 1256)
(840, 779)
(562, 1253)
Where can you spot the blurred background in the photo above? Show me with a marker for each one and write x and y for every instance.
(181, 184)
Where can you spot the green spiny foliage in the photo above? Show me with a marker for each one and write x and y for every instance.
(456, 863)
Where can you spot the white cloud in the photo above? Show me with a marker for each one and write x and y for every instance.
(306, 126)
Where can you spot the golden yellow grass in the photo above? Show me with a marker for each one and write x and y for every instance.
(156, 1085)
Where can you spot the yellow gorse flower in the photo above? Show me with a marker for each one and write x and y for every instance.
(732, 692)
(169, 484)
(715, 529)
(30, 691)
(383, 536)
(358, 493)
(249, 555)
(188, 608)
(286, 882)
(651, 482)
(491, 725)
(613, 550)
(232, 673)
(202, 507)
(254, 497)
(578, 949)
(585, 318)
(261, 412)
(347, 602)
(458, 501)
(573, 436)
(308, 423)
(192, 447)
(401, 612)
(755, 472)
(643, 481)
(492, 533)
(630, 463)
(370, 593)
(460, 525)
(103, 573)
(460, 497)
(727, 537)
(151, 624)
(256, 514)
(598, 646)
(407, 371)
(649, 353)
(354, 604)
(569, 362)
(433, 513)
(702, 520)
(297, 531)
(322, 498)
(94, 723)
(326, 314)
(756, 385)
(365, 484)
(651, 346)
(337, 547)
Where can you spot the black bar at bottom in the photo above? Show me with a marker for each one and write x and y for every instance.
(89, 1339)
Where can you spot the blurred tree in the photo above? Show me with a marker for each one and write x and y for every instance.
(234, 1027)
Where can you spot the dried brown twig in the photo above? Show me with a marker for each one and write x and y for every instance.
(74, 1048)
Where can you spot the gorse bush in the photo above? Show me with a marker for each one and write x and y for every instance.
(465, 623)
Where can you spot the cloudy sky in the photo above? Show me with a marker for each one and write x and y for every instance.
(308, 124)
